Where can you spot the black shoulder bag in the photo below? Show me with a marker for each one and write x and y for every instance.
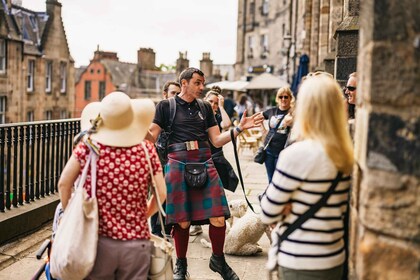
(261, 153)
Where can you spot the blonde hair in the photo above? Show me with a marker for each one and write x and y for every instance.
(289, 93)
(320, 115)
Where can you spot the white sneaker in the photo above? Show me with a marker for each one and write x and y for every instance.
(195, 230)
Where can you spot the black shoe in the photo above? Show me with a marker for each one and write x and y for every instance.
(218, 264)
(180, 271)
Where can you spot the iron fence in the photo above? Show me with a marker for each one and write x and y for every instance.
(32, 156)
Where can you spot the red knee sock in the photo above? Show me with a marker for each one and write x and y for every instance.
(217, 238)
(181, 237)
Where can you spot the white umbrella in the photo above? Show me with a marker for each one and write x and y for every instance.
(229, 85)
(266, 81)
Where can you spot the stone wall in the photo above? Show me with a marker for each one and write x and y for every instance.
(385, 235)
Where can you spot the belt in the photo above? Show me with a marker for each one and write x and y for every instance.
(188, 146)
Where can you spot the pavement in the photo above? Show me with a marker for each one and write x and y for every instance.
(17, 259)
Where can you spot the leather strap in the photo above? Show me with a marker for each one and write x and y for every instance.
(232, 136)
(187, 146)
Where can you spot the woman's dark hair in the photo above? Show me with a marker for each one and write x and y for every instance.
(188, 73)
(243, 98)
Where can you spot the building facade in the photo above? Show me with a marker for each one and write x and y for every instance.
(36, 68)
(106, 73)
(274, 34)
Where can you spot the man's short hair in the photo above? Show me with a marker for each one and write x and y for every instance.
(188, 73)
(354, 75)
(168, 84)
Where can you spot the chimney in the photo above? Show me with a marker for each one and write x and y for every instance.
(206, 64)
(182, 63)
(53, 8)
(98, 55)
(146, 59)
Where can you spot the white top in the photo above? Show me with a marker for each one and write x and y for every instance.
(303, 173)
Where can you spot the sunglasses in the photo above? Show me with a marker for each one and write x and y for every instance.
(351, 88)
(283, 97)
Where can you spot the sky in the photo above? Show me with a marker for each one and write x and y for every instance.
(167, 26)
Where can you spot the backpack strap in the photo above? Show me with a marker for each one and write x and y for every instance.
(203, 111)
(172, 112)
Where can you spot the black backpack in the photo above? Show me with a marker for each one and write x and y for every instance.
(163, 139)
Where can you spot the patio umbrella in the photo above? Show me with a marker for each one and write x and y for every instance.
(266, 81)
(301, 72)
(229, 85)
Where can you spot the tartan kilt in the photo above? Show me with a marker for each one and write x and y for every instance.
(184, 204)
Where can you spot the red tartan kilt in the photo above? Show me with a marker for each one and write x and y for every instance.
(184, 204)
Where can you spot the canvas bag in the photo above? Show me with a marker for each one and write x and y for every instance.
(161, 267)
(74, 248)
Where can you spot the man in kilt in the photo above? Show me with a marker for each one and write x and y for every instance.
(185, 205)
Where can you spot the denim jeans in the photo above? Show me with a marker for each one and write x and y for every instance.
(270, 163)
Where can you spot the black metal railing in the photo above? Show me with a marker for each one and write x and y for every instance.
(32, 156)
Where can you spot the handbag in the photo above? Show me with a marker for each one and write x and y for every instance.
(261, 153)
(75, 244)
(226, 173)
(195, 174)
(161, 267)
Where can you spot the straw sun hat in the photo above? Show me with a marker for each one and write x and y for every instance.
(124, 122)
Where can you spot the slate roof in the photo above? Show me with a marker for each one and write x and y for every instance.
(121, 72)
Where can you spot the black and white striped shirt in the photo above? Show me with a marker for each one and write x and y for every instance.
(303, 173)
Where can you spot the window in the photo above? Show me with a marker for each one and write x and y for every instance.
(101, 90)
(3, 109)
(92, 71)
(250, 47)
(63, 77)
(48, 76)
(252, 8)
(63, 114)
(264, 8)
(88, 87)
(30, 75)
(2, 56)
(264, 45)
(48, 115)
(30, 116)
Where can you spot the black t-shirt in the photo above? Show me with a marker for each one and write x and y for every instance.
(188, 124)
(273, 116)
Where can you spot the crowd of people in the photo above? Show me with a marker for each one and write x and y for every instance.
(185, 132)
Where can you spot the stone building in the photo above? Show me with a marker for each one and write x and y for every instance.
(385, 212)
(106, 73)
(273, 35)
(36, 68)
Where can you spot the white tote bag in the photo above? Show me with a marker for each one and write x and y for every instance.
(74, 248)
(161, 267)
